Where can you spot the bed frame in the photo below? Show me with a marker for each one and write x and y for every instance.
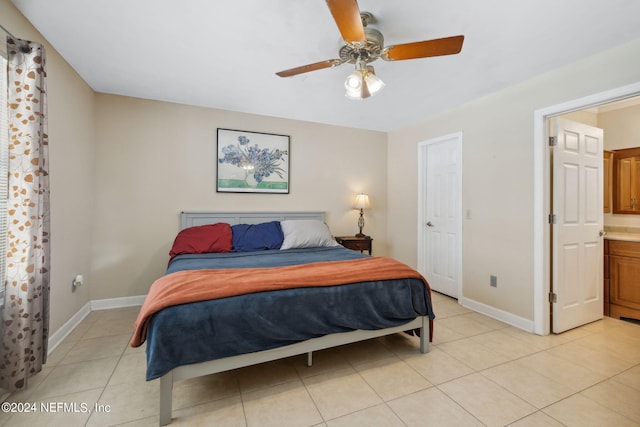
(188, 219)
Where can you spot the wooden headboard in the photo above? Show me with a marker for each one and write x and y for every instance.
(190, 219)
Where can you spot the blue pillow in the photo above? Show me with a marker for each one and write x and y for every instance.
(257, 237)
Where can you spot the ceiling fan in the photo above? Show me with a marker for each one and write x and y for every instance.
(364, 44)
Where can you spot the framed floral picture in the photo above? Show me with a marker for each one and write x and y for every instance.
(252, 162)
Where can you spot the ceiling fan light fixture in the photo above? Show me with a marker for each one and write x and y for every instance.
(353, 85)
(362, 83)
(353, 81)
(374, 84)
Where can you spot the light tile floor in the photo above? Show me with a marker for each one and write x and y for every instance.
(479, 372)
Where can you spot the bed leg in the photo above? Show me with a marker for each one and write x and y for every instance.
(166, 389)
(310, 359)
(424, 335)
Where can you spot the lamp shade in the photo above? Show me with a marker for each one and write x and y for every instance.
(361, 202)
(362, 83)
(374, 84)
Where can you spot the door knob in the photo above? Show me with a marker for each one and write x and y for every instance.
(429, 224)
(602, 233)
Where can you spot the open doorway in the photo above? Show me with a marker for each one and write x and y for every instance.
(542, 192)
(620, 123)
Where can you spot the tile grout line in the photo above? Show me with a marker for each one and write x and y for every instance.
(107, 383)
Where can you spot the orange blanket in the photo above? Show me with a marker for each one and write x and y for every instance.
(201, 285)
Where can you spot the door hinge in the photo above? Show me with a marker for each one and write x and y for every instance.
(553, 141)
(553, 297)
(552, 218)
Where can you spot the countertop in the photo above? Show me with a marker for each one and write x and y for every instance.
(620, 235)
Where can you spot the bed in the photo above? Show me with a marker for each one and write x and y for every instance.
(272, 299)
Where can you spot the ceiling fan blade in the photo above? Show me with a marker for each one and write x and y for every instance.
(424, 49)
(347, 16)
(310, 67)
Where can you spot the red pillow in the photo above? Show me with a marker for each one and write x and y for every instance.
(203, 239)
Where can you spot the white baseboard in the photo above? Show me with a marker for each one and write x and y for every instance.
(503, 316)
(56, 338)
(106, 304)
(102, 304)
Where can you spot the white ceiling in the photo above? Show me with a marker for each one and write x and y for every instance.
(224, 54)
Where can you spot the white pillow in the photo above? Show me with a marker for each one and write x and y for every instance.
(306, 233)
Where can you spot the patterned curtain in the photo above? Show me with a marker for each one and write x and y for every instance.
(26, 306)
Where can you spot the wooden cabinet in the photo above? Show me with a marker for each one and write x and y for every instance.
(356, 243)
(626, 181)
(607, 174)
(607, 282)
(628, 184)
(623, 268)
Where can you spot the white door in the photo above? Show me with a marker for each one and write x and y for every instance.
(577, 251)
(440, 219)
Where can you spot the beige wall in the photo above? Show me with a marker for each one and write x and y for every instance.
(71, 160)
(497, 175)
(621, 130)
(622, 127)
(587, 117)
(156, 159)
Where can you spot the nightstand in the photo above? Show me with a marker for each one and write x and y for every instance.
(356, 243)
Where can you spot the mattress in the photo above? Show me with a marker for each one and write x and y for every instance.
(208, 330)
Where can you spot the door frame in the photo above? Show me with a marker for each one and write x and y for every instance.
(422, 177)
(542, 193)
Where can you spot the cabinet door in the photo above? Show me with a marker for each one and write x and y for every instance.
(626, 181)
(624, 184)
(635, 184)
(607, 282)
(606, 173)
(624, 275)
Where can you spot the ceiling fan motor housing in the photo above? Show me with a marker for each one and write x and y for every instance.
(369, 51)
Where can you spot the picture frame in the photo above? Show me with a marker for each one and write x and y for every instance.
(252, 162)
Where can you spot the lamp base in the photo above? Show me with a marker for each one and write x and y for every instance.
(360, 224)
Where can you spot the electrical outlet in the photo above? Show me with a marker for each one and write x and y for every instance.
(493, 281)
(77, 281)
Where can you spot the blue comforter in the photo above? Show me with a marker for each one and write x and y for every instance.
(209, 330)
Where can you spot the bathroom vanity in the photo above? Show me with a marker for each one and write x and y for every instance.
(622, 275)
